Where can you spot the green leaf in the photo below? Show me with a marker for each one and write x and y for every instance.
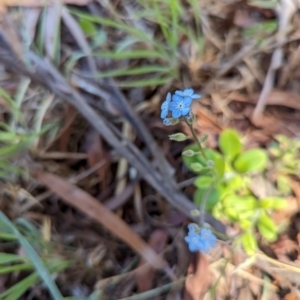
(133, 54)
(235, 182)
(283, 184)
(240, 203)
(119, 24)
(230, 144)
(134, 71)
(217, 159)
(273, 203)
(249, 242)
(203, 182)
(212, 197)
(9, 258)
(190, 160)
(88, 27)
(267, 228)
(15, 291)
(251, 160)
(16, 268)
(265, 4)
(35, 259)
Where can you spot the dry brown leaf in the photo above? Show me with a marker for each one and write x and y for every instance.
(197, 282)
(95, 153)
(157, 242)
(65, 132)
(81, 200)
(290, 296)
(283, 246)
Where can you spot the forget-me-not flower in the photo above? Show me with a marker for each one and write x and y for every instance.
(200, 239)
(180, 106)
(188, 93)
(165, 106)
(167, 122)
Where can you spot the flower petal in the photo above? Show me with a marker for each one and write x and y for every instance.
(168, 98)
(176, 98)
(185, 111)
(180, 93)
(188, 92)
(164, 105)
(176, 113)
(187, 101)
(196, 96)
(164, 113)
(173, 105)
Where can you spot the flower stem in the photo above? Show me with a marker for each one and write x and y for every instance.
(197, 140)
(203, 203)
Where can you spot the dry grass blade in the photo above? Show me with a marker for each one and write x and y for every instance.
(285, 13)
(197, 283)
(86, 203)
(157, 241)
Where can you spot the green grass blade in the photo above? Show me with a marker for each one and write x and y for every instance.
(9, 100)
(11, 150)
(17, 290)
(175, 11)
(144, 82)
(140, 34)
(133, 54)
(35, 259)
(16, 268)
(7, 236)
(6, 258)
(133, 71)
(10, 137)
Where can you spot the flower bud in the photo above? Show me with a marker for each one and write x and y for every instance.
(179, 137)
(210, 164)
(190, 118)
(170, 121)
(203, 138)
(197, 167)
(189, 153)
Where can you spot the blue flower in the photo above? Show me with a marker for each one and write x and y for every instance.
(180, 106)
(167, 122)
(165, 106)
(200, 239)
(188, 93)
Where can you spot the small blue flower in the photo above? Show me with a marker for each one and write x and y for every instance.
(193, 242)
(167, 122)
(188, 93)
(180, 106)
(200, 239)
(165, 106)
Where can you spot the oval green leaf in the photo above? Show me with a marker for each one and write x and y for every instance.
(230, 144)
(240, 203)
(249, 242)
(190, 160)
(267, 228)
(273, 203)
(203, 182)
(212, 199)
(251, 160)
